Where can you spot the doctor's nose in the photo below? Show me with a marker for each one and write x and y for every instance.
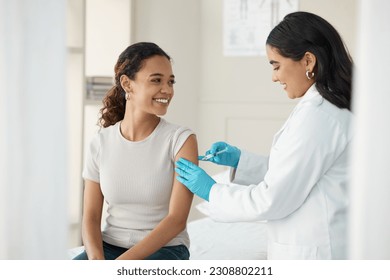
(274, 78)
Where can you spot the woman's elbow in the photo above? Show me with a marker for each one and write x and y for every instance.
(179, 223)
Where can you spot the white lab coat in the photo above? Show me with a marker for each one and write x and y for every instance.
(301, 189)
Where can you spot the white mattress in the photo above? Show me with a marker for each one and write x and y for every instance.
(212, 240)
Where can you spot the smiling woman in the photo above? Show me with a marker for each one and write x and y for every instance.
(130, 165)
(151, 89)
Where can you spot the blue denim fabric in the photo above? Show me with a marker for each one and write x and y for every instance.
(111, 252)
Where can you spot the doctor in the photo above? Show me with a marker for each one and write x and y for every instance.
(301, 188)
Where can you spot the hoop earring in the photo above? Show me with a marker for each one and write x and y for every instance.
(127, 96)
(309, 75)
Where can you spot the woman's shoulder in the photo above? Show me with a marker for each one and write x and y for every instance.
(174, 128)
(108, 130)
(104, 133)
(177, 135)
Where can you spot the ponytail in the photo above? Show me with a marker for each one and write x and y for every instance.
(113, 107)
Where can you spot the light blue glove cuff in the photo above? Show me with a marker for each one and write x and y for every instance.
(238, 158)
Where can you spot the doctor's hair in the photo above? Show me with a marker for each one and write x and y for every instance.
(302, 32)
(130, 61)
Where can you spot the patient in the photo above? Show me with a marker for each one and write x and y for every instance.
(130, 165)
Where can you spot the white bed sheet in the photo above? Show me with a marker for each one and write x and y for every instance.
(226, 241)
(212, 240)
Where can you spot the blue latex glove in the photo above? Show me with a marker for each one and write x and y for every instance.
(194, 178)
(229, 158)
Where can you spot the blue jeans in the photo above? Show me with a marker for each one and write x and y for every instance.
(111, 252)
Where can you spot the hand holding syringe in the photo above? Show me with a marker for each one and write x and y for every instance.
(223, 154)
(210, 156)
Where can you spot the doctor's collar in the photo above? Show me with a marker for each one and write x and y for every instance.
(310, 95)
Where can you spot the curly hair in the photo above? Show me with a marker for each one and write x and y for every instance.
(129, 63)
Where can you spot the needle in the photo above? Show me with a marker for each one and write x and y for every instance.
(210, 156)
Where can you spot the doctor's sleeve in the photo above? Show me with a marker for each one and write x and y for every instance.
(251, 169)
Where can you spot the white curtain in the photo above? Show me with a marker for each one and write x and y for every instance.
(33, 146)
(369, 229)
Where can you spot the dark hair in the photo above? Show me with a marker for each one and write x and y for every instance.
(302, 32)
(129, 63)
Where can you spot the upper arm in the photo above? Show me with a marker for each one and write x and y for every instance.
(181, 197)
(93, 200)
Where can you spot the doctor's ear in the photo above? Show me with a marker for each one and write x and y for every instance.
(125, 83)
(310, 61)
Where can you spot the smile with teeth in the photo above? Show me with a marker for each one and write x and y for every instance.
(284, 85)
(162, 100)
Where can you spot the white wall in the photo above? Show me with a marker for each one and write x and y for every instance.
(107, 34)
(174, 25)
